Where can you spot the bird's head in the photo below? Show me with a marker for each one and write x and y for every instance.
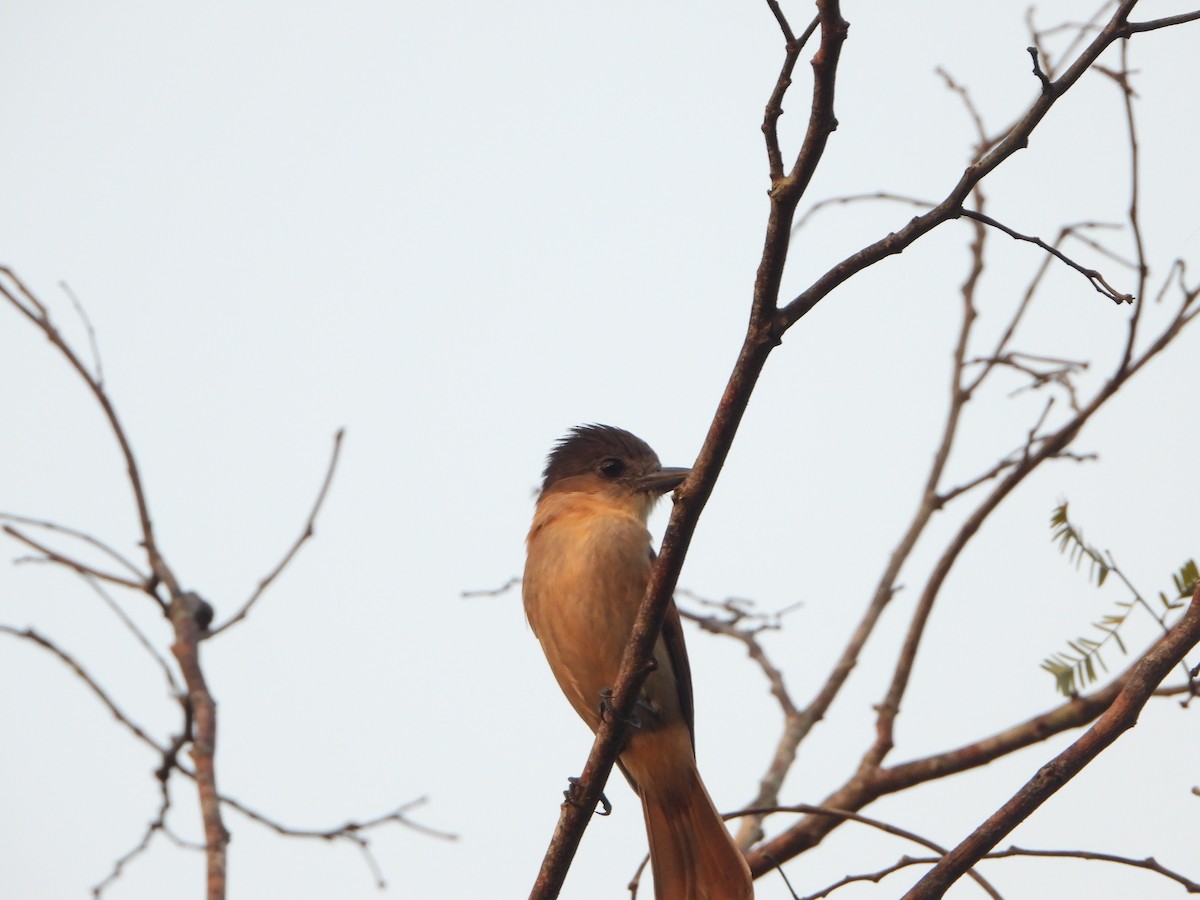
(601, 459)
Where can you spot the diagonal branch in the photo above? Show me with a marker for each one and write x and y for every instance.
(305, 535)
(1016, 139)
(869, 785)
(28, 634)
(846, 815)
(1116, 720)
(49, 555)
(793, 48)
(78, 535)
(1097, 280)
(24, 300)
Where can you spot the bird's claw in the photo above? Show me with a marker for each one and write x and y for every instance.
(606, 710)
(577, 788)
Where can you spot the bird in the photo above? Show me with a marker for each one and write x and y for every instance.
(588, 561)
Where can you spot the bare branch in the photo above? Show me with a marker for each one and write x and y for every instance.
(856, 198)
(28, 634)
(750, 829)
(793, 48)
(139, 635)
(847, 815)
(1047, 86)
(79, 535)
(1133, 215)
(1095, 278)
(187, 612)
(984, 142)
(1166, 22)
(350, 831)
(91, 332)
(1016, 139)
(305, 535)
(1116, 720)
(493, 592)
(1149, 864)
(75, 565)
(153, 827)
(25, 302)
(871, 783)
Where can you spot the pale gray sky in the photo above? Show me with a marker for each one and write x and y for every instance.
(457, 230)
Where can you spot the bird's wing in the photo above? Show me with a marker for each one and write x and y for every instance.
(672, 638)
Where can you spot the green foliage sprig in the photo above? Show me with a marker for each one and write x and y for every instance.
(1083, 662)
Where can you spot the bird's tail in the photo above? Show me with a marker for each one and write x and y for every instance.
(692, 853)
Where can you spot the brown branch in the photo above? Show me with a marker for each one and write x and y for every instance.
(91, 331)
(857, 198)
(28, 634)
(1016, 139)
(350, 831)
(492, 592)
(305, 535)
(767, 324)
(750, 830)
(847, 815)
(984, 142)
(1149, 864)
(1132, 215)
(186, 612)
(75, 565)
(1050, 446)
(1078, 32)
(78, 535)
(1116, 720)
(869, 784)
(798, 727)
(792, 50)
(747, 636)
(1094, 277)
(1047, 86)
(138, 634)
(1132, 28)
(153, 827)
(24, 300)
(691, 497)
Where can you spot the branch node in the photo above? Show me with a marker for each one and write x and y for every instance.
(1047, 85)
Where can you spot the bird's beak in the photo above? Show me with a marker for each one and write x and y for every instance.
(665, 479)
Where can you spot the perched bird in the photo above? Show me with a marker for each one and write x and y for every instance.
(587, 565)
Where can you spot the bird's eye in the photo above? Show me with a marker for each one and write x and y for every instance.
(611, 468)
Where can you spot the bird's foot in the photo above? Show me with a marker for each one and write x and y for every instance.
(606, 710)
(574, 796)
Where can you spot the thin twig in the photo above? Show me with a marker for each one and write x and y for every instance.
(139, 635)
(91, 332)
(1166, 22)
(1116, 720)
(774, 110)
(870, 784)
(153, 827)
(28, 634)
(75, 565)
(305, 535)
(350, 831)
(492, 592)
(1047, 85)
(1094, 277)
(1149, 864)
(857, 198)
(847, 815)
(79, 535)
(24, 300)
